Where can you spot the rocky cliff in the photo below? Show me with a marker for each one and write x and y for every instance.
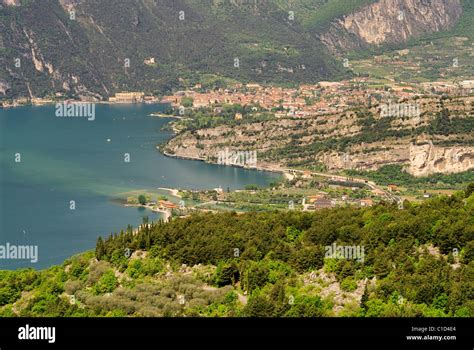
(391, 21)
(439, 140)
(428, 159)
(11, 2)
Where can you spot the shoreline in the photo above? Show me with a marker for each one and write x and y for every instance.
(166, 116)
(47, 103)
(287, 173)
(165, 213)
(173, 191)
(202, 159)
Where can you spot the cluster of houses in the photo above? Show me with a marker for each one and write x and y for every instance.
(166, 205)
(307, 100)
(462, 88)
(320, 201)
(132, 97)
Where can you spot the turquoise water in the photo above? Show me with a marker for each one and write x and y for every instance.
(73, 159)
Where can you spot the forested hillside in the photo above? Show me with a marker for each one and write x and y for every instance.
(190, 41)
(268, 264)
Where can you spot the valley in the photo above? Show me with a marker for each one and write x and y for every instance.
(237, 158)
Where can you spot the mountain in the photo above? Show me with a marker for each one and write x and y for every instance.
(391, 21)
(82, 47)
(87, 56)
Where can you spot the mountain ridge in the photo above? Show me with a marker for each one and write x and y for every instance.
(213, 41)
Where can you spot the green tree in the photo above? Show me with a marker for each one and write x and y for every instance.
(469, 189)
(306, 306)
(8, 295)
(106, 284)
(187, 102)
(293, 234)
(308, 258)
(99, 249)
(365, 298)
(468, 254)
(259, 306)
(255, 275)
(142, 199)
(226, 273)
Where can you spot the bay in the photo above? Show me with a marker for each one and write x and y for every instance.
(75, 159)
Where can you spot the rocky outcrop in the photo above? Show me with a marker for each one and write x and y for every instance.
(428, 159)
(391, 21)
(417, 144)
(4, 87)
(11, 2)
(418, 159)
(69, 4)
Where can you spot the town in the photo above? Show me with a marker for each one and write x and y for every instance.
(318, 99)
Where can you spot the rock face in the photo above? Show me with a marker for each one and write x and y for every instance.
(429, 159)
(4, 86)
(391, 21)
(69, 4)
(422, 145)
(11, 2)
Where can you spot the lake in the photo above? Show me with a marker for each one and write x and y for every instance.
(59, 176)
